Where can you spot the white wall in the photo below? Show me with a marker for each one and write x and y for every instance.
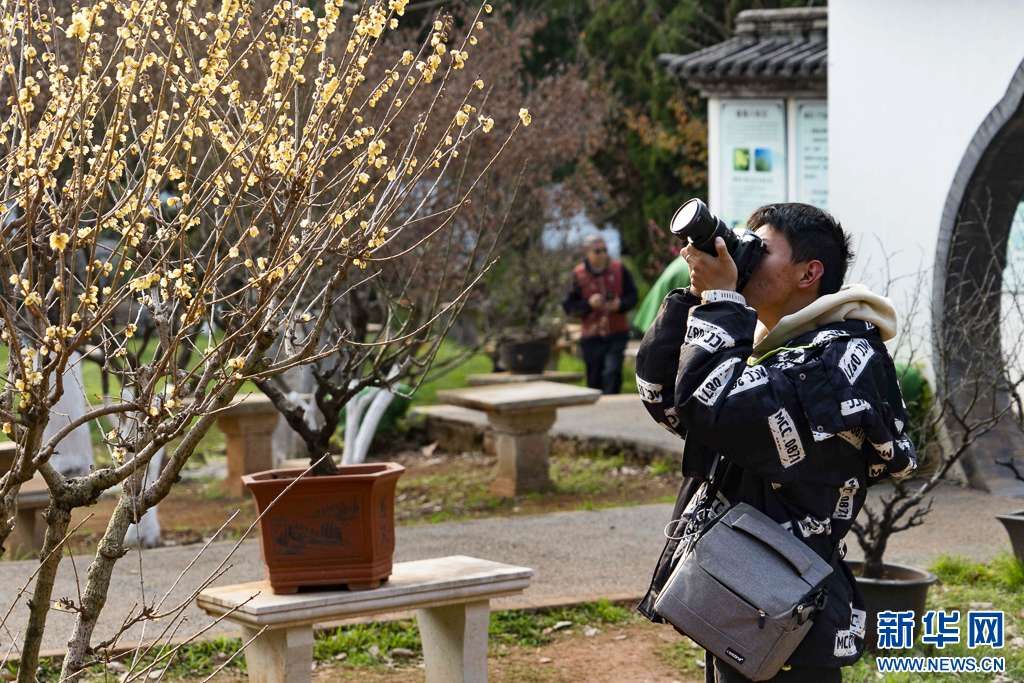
(909, 82)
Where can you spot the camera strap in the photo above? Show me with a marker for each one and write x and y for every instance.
(719, 468)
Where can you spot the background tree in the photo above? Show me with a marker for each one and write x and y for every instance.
(655, 156)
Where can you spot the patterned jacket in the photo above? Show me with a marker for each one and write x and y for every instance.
(804, 431)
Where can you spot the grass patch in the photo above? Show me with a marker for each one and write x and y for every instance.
(369, 645)
(200, 658)
(460, 489)
(683, 655)
(663, 467)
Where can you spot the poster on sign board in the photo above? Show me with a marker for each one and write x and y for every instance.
(812, 153)
(753, 156)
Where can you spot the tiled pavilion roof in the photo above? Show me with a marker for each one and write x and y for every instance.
(771, 51)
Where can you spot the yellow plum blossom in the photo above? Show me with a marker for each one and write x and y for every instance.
(524, 116)
(81, 23)
(59, 240)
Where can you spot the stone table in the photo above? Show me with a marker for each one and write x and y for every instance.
(488, 378)
(520, 416)
(248, 425)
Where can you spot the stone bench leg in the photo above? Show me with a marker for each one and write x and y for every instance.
(282, 655)
(29, 531)
(249, 445)
(521, 443)
(455, 642)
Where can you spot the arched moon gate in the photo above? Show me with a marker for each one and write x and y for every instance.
(967, 313)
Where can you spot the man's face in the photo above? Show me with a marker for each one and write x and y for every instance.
(776, 278)
(597, 255)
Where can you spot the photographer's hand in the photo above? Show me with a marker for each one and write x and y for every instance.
(710, 272)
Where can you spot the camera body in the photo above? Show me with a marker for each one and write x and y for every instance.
(694, 223)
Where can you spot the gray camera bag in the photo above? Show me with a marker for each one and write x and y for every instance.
(747, 591)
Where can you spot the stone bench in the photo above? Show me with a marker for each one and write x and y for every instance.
(30, 524)
(248, 425)
(487, 378)
(33, 497)
(8, 451)
(520, 416)
(451, 596)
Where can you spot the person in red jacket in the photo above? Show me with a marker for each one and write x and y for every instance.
(601, 293)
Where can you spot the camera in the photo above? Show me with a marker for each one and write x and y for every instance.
(694, 223)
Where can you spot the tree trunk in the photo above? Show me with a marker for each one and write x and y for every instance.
(874, 568)
(57, 521)
(94, 597)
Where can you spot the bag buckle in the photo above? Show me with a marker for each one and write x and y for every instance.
(804, 612)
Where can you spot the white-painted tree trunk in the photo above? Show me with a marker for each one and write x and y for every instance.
(73, 455)
(362, 417)
(147, 532)
(287, 442)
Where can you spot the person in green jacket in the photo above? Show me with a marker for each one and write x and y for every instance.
(675, 276)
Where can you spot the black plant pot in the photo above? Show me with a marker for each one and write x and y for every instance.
(525, 357)
(1014, 524)
(903, 588)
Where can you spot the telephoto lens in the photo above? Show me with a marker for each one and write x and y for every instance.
(694, 224)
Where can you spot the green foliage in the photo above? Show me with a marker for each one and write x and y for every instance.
(918, 394)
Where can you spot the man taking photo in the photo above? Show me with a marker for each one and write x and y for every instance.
(791, 384)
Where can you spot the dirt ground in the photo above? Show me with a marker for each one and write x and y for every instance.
(436, 487)
(634, 653)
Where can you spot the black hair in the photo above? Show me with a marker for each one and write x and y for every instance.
(811, 234)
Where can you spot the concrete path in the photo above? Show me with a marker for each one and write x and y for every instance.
(577, 556)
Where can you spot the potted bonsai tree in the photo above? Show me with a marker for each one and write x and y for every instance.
(969, 400)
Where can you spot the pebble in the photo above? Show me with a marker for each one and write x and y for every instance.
(590, 631)
(402, 653)
(341, 656)
(155, 674)
(117, 667)
(545, 660)
(699, 663)
(1017, 642)
(621, 636)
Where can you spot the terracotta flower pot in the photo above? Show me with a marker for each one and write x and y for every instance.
(1014, 524)
(327, 531)
(903, 588)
